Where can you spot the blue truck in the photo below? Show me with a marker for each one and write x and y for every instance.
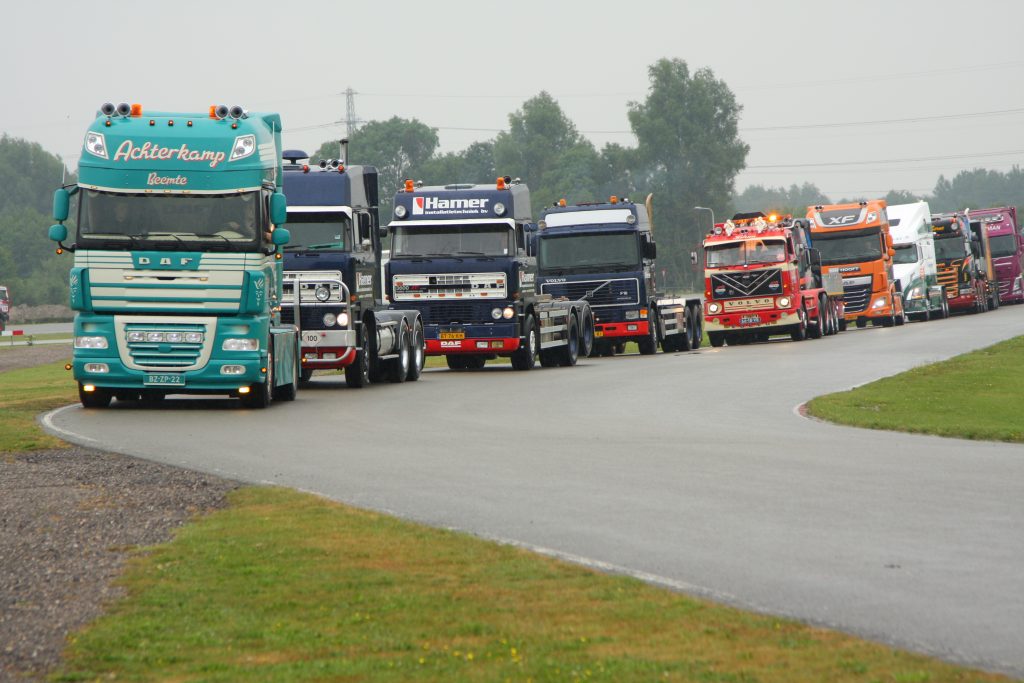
(604, 253)
(459, 256)
(332, 281)
(177, 274)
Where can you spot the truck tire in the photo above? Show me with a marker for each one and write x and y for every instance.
(419, 354)
(305, 375)
(688, 341)
(525, 357)
(649, 344)
(475, 362)
(587, 334)
(799, 332)
(717, 339)
(97, 398)
(357, 373)
(945, 306)
(993, 302)
(260, 395)
(817, 330)
(397, 369)
(570, 353)
(455, 362)
(697, 316)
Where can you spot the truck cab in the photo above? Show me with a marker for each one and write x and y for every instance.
(1007, 249)
(332, 281)
(854, 241)
(177, 278)
(458, 256)
(962, 265)
(604, 253)
(5, 307)
(914, 264)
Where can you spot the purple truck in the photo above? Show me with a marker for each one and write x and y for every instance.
(1007, 245)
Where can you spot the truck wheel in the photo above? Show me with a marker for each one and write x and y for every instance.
(945, 306)
(717, 339)
(419, 355)
(549, 358)
(842, 324)
(698, 328)
(571, 351)
(474, 362)
(305, 375)
(993, 302)
(649, 344)
(688, 341)
(260, 395)
(587, 334)
(817, 330)
(357, 373)
(799, 332)
(455, 362)
(397, 369)
(525, 357)
(97, 398)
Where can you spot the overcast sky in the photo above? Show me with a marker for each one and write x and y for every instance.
(459, 65)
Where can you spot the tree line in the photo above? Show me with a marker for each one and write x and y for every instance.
(688, 153)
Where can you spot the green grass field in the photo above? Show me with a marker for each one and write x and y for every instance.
(283, 586)
(26, 393)
(974, 396)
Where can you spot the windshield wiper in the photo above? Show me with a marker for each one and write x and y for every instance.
(327, 245)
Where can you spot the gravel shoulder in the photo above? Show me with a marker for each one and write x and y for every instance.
(69, 519)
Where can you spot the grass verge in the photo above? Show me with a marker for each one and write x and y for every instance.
(23, 395)
(283, 586)
(973, 396)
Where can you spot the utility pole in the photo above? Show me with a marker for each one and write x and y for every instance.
(351, 122)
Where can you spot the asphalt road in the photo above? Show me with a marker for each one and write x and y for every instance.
(690, 470)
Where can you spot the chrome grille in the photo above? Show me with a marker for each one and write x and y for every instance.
(767, 282)
(949, 278)
(857, 294)
(165, 355)
(617, 292)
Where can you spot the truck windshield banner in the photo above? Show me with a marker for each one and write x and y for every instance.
(838, 218)
(436, 206)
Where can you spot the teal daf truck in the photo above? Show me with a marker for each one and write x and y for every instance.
(177, 275)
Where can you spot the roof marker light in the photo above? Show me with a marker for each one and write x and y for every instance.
(500, 183)
(409, 185)
(613, 199)
(561, 202)
(189, 124)
(136, 110)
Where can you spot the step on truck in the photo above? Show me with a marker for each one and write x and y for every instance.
(965, 269)
(1007, 248)
(763, 278)
(5, 307)
(914, 265)
(459, 256)
(854, 241)
(332, 281)
(604, 253)
(177, 274)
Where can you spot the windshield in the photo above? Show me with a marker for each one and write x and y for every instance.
(745, 252)
(452, 240)
(320, 230)
(905, 253)
(950, 247)
(1003, 245)
(588, 251)
(3, 292)
(855, 248)
(198, 220)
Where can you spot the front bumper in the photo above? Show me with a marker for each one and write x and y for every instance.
(497, 338)
(740, 321)
(204, 380)
(634, 329)
(328, 349)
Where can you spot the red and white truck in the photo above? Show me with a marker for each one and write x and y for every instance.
(763, 278)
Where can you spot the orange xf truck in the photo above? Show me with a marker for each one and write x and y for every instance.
(854, 241)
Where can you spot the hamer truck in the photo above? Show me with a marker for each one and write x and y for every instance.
(1007, 247)
(177, 273)
(459, 257)
(604, 253)
(332, 286)
(763, 278)
(854, 241)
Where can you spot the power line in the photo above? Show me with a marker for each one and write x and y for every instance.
(892, 161)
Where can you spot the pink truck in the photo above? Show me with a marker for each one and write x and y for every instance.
(1007, 245)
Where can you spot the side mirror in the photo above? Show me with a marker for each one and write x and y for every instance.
(888, 241)
(529, 227)
(278, 209)
(650, 249)
(280, 236)
(693, 258)
(58, 232)
(382, 232)
(61, 204)
(814, 258)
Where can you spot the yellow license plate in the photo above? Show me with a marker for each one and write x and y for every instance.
(453, 335)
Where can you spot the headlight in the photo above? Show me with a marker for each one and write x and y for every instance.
(155, 337)
(343, 319)
(635, 315)
(241, 345)
(322, 293)
(175, 337)
(136, 336)
(496, 314)
(784, 302)
(400, 211)
(714, 307)
(915, 292)
(96, 145)
(244, 146)
(194, 337)
(90, 342)
(97, 368)
(508, 313)
(330, 319)
(499, 209)
(879, 302)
